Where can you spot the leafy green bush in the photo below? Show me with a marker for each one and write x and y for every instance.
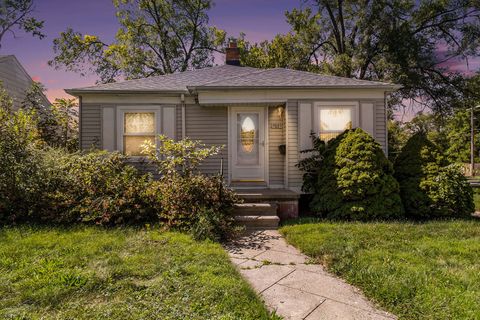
(355, 180)
(311, 164)
(429, 188)
(21, 178)
(39, 183)
(99, 187)
(453, 196)
(191, 200)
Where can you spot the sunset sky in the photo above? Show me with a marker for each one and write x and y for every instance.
(259, 19)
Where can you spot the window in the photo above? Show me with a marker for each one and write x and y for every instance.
(248, 139)
(332, 119)
(138, 128)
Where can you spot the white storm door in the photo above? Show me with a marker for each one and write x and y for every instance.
(247, 132)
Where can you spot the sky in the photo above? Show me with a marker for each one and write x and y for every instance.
(258, 19)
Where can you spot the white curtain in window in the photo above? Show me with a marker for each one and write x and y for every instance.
(139, 122)
(139, 127)
(335, 119)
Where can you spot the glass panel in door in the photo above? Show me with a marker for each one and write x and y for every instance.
(248, 139)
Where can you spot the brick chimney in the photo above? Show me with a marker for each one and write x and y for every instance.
(232, 56)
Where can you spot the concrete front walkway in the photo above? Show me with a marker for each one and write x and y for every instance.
(294, 288)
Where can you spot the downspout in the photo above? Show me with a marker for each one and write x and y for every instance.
(182, 99)
(286, 145)
(80, 123)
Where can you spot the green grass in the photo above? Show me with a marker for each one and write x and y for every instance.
(416, 271)
(94, 273)
(476, 198)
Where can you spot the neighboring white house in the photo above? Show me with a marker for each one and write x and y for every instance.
(15, 80)
(263, 117)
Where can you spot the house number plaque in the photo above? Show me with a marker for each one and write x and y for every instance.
(276, 125)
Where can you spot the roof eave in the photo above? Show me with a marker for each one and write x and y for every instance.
(390, 87)
(78, 92)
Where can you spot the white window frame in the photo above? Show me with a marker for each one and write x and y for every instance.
(135, 109)
(352, 105)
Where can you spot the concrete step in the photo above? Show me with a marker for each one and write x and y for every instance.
(258, 222)
(258, 209)
(267, 195)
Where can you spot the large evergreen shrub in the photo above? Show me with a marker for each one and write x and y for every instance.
(430, 189)
(415, 168)
(355, 180)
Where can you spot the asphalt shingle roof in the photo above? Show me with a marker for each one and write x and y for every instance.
(227, 76)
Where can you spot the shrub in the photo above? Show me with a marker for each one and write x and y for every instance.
(101, 188)
(97, 187)
(39, 183)
(427, 187)
(355, 180)
(21, 180)
(453, 196)
(311, 165)
(190, 200)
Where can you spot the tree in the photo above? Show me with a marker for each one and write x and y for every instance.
(17, 15)
(415, 168)
(65, 112)
(405, 42)
(355, 180)
(429, 187)
(47, 124)
(18, 169)
(6, 101)
(284, 51)
(155, 37)
(450, 133)
(458, 137)
(397, 137)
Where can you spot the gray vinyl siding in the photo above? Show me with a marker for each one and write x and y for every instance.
(276, 137)
(380, 125)
(294, 175)
(15, 81)
(209, 125)
(91, 126)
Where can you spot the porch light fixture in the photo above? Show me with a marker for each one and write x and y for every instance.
(280, 111)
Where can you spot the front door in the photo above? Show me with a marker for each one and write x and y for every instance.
(247, 139)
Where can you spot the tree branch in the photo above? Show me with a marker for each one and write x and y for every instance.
(336, 32)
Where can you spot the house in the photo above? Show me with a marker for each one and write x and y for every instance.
(263, 117)
(16, 81)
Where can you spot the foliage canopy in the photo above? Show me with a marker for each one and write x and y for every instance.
(405, 42)
(355, 180)
(428, 187)
(155, 37)
(17, 15)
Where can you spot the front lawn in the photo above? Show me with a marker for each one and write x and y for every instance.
(476, 198)
(94, 273)
(416, 271)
